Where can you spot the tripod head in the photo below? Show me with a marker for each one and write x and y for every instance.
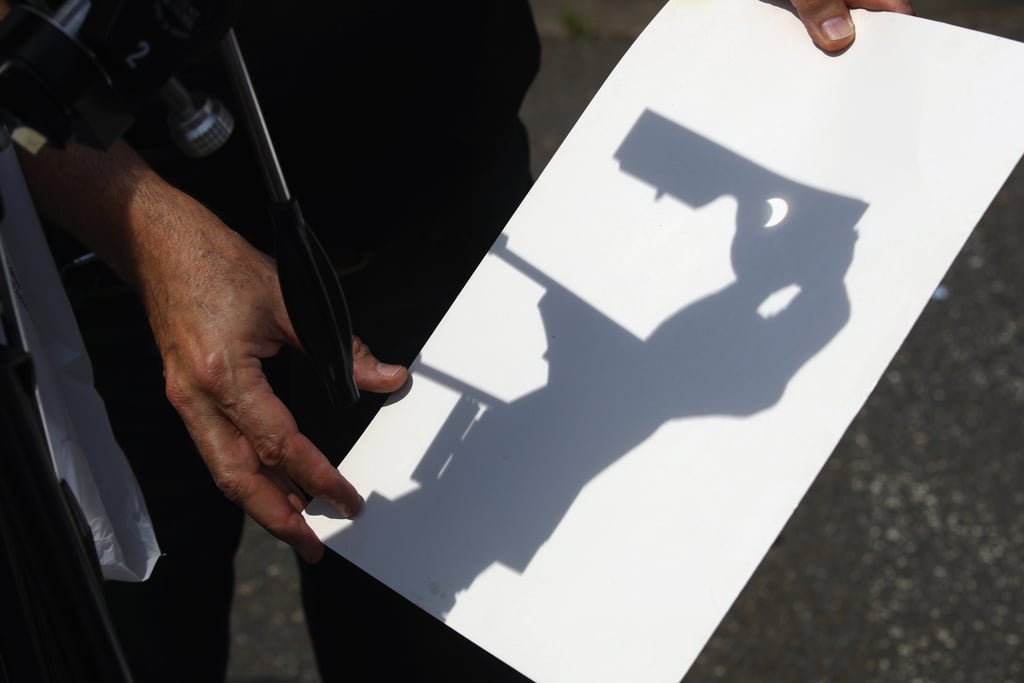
(78, 73)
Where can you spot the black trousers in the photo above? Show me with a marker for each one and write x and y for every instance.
(396, 302)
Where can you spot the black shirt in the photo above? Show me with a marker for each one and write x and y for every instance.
(383, 106)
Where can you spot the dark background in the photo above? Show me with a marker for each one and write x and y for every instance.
(904, 561)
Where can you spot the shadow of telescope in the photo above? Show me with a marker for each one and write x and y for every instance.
(787, 233)
(500, 476)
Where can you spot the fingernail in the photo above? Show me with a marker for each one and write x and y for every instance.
(388, 370)
(348, 512)
(837, 28)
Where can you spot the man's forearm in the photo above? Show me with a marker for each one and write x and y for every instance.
(158, 239)
(111, 201)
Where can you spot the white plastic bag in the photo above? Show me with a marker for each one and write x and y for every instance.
(78, 433)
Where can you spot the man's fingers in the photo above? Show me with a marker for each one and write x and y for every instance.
(267, 496)
(296, 497)
(266, 423)
(829, 22)
(267, 504)
(373, 375)
(241, 426)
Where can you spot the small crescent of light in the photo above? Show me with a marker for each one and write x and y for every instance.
(779, 208)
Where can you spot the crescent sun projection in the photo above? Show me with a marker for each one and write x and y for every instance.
(778, 208)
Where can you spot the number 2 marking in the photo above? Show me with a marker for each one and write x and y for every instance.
(141, 52)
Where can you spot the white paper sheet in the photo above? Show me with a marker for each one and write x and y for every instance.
(631, 396)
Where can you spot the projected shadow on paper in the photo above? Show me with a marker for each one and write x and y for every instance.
(495, 485)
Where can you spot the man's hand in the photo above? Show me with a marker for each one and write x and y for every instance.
(215, 305)
(215, 318)
(828, 21)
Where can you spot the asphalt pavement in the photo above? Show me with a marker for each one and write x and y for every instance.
(904, 560)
